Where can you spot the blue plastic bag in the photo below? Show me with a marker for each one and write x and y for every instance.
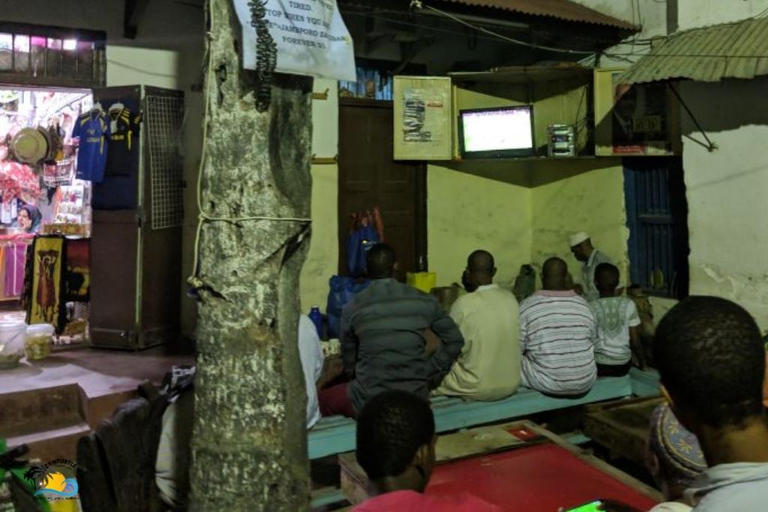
(359, 242)
(343, 290)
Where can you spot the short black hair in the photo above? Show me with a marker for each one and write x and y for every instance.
(606, 277)
(380, 261)
(481, 261)
(391, 428)
(711, 360)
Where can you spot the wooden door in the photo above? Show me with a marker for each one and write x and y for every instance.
(369, 177)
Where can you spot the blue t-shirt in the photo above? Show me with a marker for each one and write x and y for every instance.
(93, 130)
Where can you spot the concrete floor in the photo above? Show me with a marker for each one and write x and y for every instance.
(97, 372)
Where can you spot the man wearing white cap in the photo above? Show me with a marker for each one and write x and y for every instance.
(590, 258)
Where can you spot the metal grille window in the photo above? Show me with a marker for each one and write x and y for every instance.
(40, 55)
(656, 217)
(164, 117)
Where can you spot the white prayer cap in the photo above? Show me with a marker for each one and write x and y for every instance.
(578, 238)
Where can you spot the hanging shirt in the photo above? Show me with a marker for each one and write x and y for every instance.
(123, 156)
(93, 130)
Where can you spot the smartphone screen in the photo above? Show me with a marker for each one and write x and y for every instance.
(587, 507)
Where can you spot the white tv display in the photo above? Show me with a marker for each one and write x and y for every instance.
(497, 132)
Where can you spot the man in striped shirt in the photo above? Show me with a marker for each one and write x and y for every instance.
(558, 331)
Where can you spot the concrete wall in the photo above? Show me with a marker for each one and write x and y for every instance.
(700, 13)
(323, 257)
(465, 213)
(726, 192)
(579, 196)
(167, 52)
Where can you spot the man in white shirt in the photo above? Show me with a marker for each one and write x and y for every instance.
(311, 355)
(712, 365)
(590, 258)
(557, 337)
(489, 365)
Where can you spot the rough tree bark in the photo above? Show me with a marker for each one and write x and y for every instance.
(249, 441)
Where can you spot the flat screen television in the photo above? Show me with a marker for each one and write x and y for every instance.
(496, 132)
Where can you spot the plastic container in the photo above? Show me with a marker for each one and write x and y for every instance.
(11, 343)
(317, 318)
(39, 338)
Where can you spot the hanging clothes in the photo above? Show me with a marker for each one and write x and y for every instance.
(14, 259)
(123, 155)
(46, 304)
(92, 129)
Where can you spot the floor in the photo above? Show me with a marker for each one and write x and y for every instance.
(98, 372)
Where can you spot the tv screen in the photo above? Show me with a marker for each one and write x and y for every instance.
(497, 132)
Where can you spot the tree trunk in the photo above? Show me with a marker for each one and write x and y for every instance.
(249, 443)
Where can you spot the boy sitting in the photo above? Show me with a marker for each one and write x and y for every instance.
(617, 326)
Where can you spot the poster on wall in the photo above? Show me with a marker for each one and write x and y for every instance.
(310, 35)
(634, 119)
(422, 118)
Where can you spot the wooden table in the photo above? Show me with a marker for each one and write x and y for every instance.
(622, 427)
(517, 466)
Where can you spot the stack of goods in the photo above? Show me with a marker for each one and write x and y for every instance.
(561, 140)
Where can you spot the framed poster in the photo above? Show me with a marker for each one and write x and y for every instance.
(422, 118)
(634, 119)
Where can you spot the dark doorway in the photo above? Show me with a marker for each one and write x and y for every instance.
(657, 217)
(369, 177)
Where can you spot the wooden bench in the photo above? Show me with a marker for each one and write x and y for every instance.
(336, 434)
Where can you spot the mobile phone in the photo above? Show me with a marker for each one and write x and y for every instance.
(592, 506)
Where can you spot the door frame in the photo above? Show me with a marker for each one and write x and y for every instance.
(422, 259)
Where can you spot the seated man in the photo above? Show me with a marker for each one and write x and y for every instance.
(712, 365)
(396, 448)
(557, 337)
(383, 340)
(489, 365)
(617, 326)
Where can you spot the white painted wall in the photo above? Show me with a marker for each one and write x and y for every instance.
(728, 211)
(700, 13)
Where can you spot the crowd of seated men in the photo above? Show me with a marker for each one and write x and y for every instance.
(708, 445)
(395, 337)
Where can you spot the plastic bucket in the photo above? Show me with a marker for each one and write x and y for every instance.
(12, 338)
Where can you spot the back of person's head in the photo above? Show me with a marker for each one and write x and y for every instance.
(674, 456)
(395, 431)
(380, 261)
(554, 274)
(712, 362)
(606, 277)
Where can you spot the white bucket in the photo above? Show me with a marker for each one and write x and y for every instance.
(12, 337)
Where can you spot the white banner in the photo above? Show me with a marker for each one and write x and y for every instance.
(310, 35)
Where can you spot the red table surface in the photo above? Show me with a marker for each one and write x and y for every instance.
(538, 478)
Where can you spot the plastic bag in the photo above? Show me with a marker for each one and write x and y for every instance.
(342, 290)
(366, 230)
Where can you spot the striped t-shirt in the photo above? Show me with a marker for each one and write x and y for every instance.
(557, 335)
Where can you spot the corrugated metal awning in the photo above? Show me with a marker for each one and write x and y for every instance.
(560, 9)
(709, 54)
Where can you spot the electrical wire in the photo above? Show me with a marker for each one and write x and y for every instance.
(417, 4)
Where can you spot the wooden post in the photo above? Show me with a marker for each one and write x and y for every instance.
(249, 442)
